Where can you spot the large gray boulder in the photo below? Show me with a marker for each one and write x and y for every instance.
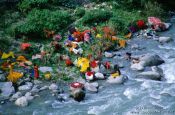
(7, 90)
(155, 74)
(147, 60)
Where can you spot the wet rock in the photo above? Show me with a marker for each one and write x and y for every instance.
(99, 76)
(16, 96)
(43, 88)
(147, 60)
(53, 87)
(2, 77)
(137, 66)
(24, 87)
(165, 39)
(29, 84)
(29, 96)
(135, 46)
(109, 54)
(151, 60)
(22, 101)
(37, 82)
(92, 87)
(78, 94)
(6, 89)
(35, 89)
(155, 74)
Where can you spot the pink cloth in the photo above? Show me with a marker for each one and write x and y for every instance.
(154, 21)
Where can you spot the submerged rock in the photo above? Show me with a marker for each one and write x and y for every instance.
(22, 101)
(165, 39)
(29, 96)
(53, 87)
(24, 87)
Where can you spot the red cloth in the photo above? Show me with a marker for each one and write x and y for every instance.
(89, 73)
(36, 72)
(93, 64)
(68, 62)
(76, 85)
(24, 46)
(107, 65)
(140, 24)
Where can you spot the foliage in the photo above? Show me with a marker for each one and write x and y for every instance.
(79, 12)
(153, 9)
(38, 20)
(96, 16)
(26, 5)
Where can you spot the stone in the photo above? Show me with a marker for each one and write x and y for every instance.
(29, 96)
(53, 87)
(22, 101)
(16, 96)
(165, 39)
(109, 55)
(24, 87)
(99, 76)
(92, 87)
(35, 89)
(37, 82)
(2, 77)
(43, 88)
(7, 90)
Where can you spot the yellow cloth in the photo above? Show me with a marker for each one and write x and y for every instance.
(114, 75)
(7, 55)
(98, 36)
(122, 43)
(83, 63)
(14, 76)
(47, 75)
(21, 58)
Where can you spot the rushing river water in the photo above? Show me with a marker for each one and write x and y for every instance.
(135, 97)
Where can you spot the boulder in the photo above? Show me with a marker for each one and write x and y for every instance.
(2, 77)
(29, 96)
(99, 76)
(16, 96)
(53, 87)
(155, 74)
(147, 60)
(151, 60)
(7, 90)
(165, 39)
(92, 87)
(43, 88)
(37, 82)
(22, 101)
(35, 89)
(24, 87)
(109, 54)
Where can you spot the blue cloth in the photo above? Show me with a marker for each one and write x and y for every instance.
(71, 38)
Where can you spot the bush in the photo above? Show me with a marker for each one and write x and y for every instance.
(96, 16)
(38, 20)
(122, 19)
(79, 12)
(26, 5)
(153, 9)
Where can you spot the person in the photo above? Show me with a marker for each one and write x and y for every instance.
(36, 71)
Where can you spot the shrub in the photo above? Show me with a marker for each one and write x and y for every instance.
(79, 12)
(96, 16)
(38, 20)
(26, 5)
